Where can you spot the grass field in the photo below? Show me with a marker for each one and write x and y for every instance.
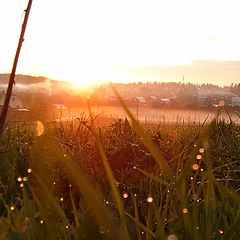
(80, 179)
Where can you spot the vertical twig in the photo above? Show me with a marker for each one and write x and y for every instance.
(12, 75)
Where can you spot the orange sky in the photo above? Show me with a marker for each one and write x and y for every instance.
(108, 40)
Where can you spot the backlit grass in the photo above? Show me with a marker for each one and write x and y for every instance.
(81, 180)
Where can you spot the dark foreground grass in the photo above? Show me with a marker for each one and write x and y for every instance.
(120, 181)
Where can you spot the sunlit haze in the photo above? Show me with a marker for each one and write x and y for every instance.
(91, 42)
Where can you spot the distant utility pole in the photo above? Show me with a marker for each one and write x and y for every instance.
(12, 75)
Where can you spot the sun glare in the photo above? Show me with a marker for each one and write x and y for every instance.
(89, 77)
(77, 84)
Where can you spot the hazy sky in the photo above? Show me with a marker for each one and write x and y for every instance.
(125, 40)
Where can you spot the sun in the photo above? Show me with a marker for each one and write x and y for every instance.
(80, 84)
(89, 77)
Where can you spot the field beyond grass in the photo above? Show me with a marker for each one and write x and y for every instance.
(82, 180)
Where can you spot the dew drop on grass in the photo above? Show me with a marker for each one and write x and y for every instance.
(195, 166)
(29, 170)
(25, 179)
(19, 179)
(41, 221)
(199, 156)
(21, 185)
(185, 210)
(150, 199)
(66, 226)
(125, 195)
(201, 150)
(172, 237)
(220, 231)
(12, 208)
(61, 199)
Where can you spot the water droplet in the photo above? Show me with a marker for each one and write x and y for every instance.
(185, 210)
(172, 237)
(41, 221)
(125, 195)
(199, 156)
(197, 228)
(21, 185)
(202, 169)
(220, 231)
(12, 208)
(19, 179)
(150, 199)
(29, 170)
(54, 183)
(201, 150)
(66, 226)
(25, 179)
(61, 199)
(191, 178)
(195, 166)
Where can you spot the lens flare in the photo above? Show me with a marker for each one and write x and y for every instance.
(39, 128)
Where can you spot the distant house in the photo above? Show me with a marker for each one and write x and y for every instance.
(59, 106)
(165, 102)
(202, 101)
(14, 103)
(140, 100)
(236, 101)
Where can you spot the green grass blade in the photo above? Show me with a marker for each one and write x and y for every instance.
(110, 177)
(146, 140)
